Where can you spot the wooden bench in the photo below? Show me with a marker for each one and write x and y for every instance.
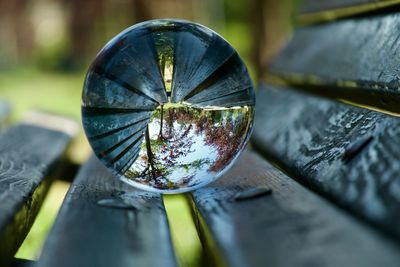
(319, 185)
(30, 153)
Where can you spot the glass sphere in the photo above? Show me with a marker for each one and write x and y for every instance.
(168, 105)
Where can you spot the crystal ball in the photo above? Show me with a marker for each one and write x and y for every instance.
(168, 105)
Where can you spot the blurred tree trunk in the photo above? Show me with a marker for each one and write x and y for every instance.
(84, 15)
(23, 30)
(141, 10)
(17, 38)
(272, 24)
(259, 35)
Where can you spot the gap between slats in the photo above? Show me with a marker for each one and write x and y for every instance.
(187, 245)
(321, 16)
(347, 92)
(32, 245)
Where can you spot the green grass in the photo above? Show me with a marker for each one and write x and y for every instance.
(184, 235)
(34, 241)
(29, 89)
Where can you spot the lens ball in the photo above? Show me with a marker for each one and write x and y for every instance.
(168, 105)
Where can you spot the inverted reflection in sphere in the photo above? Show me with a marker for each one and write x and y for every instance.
(168, 105)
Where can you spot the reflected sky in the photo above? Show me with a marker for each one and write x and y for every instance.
(189, 146)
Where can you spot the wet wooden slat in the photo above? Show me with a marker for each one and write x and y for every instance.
(288, 226)
(349, 154)
(87, 233)
(354, 59)
(28, 156)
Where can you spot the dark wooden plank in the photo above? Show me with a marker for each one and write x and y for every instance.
(354, 59)
(288, 226)
(89, 234)
(349, 154)
(28, 156)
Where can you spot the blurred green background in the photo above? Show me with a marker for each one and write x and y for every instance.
(46, 47)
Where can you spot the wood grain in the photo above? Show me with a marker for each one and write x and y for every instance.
(348, 154)
(353, 59)
(289, 227)
(28, 156)
(88, 234)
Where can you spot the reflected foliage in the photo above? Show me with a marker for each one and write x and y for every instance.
(189, 145)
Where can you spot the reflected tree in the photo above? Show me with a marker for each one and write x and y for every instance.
(225, 131)
(181, 131)
(165, 151)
